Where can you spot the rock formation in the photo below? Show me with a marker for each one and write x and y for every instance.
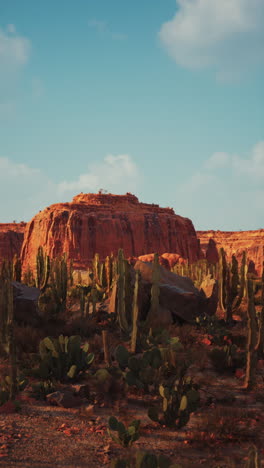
(178, 297)
(234, 243)
(11, 239)
(103, 223)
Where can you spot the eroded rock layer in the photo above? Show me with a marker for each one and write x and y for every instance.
(11, 239)
(103, 223)
(234, 243)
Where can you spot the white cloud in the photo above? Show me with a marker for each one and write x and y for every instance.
(115, 173)
(224, 35)
(27, 190)
(11, 28)
(14, 49)
(227, 192)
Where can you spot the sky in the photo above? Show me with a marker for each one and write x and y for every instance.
(160, 98)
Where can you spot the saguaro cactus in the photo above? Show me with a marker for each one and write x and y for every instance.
(43, 269)
(121, 303)
(135, 315)
(252, 342)
(155, 292)
(11, 342)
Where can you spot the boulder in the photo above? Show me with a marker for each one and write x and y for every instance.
(210, 288)
(26, 304)
(178, 295)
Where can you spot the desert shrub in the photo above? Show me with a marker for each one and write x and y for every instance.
(124, 436)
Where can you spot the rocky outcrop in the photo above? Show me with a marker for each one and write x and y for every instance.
(168, 260)
(179, 299)
(234, 243)
(103, 223)
(11, 239)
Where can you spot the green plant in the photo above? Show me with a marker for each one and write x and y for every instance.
(6, 387)
(125, 436)
(179, 398)
(63, 358)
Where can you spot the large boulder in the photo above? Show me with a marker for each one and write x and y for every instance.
(26, 304)
(178, 295)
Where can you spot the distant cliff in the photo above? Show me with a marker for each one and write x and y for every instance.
(11, 239)
(234, 243)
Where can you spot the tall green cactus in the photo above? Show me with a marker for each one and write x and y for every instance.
(17, 268)
(252, 342)
(155, 292)
(59, 282)
(222, 279)
(135, 315)
(43, 269)
(121, 303)
(11, 342)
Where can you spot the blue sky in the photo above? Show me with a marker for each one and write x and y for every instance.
(164, 99)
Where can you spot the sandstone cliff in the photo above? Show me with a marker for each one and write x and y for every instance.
(103, 223)
(11, 239)
(234, 243)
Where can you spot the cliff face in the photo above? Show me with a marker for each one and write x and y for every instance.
(234, 243)
(11, 239)
(103, 223)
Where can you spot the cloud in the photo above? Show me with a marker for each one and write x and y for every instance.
(27, 190)
(226, 36)
(115, 173)
(227, 192)
(14, 49)
(14, 56)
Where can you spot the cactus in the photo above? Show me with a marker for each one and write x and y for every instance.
(43, 269)
(135, 315)
(96, 266)
(121, 303)
(179, 398)
(125, 436)
(17, 268)
(59, 282)
(253, 458)
(155, 291)
(252, 342)
(63, 358)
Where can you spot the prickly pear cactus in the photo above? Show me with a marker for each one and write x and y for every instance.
(63, 358)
